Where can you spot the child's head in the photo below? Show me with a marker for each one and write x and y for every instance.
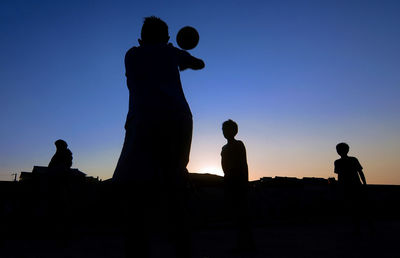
(61, 144)
(342, 149)
(154, 31)
(229, 129)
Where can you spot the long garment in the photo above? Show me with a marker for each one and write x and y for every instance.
(159, 122)
(151, 174)
(155, 153)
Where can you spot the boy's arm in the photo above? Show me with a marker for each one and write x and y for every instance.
(223, 161)
(335, 170)
(223, 165)
(361, 173)
(188, 61)
(243, 160)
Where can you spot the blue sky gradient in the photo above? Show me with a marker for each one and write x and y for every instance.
(297, 76)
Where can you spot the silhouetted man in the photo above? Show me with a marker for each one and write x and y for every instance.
(236, 178)
(62, 159)
(349, 172)
(158, 125)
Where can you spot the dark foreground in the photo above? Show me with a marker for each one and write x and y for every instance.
(290, 218)
(280, 239)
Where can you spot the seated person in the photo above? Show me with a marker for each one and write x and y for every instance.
(62, 159)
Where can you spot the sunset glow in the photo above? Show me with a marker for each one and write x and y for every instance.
(297, 76)
(211, 170)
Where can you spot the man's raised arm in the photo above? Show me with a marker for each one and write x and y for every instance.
(189, 61)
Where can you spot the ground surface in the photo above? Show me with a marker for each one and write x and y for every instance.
(281, 239)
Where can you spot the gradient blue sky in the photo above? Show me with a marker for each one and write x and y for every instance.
(297, 76)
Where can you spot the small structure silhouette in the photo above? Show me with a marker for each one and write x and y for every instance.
(234, 165)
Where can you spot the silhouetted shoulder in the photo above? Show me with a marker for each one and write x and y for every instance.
(234, 148)
(347, 169)
(336, 166)
(240, 146)
(224, 148)
(128, 57)
(348, 163)
(353, 158)
(130, 52)
(356, 163)
(240, 143)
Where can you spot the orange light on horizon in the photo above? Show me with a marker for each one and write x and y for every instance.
(210, 170)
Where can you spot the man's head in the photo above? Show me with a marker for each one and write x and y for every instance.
(342, 149)
(154, 31)
(229, 129)
(61, 144)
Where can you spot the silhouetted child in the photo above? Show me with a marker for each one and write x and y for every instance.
(153, 160)
(234, 161)
(62, 159)
(349, 172)
(234, 165)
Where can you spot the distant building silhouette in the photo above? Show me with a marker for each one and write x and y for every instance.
(282, 180)
(46, 172)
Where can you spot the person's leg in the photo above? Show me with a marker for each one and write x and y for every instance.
(354, 208)
(134, 177)
(137, 161)
(137, 217)
(178, 148)
(176, 142)
(368, 208)
(245, 236)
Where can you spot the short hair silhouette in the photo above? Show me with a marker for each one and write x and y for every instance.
(154, 30)
(342, 148)
(229, 128)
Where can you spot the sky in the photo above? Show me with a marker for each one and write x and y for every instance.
(297, 76)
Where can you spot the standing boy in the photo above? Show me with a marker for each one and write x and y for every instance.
(236, 178)
(349, 172)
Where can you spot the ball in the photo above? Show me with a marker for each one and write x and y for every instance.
(187, 38)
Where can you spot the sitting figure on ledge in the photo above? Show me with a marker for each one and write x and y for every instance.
(62, 159)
